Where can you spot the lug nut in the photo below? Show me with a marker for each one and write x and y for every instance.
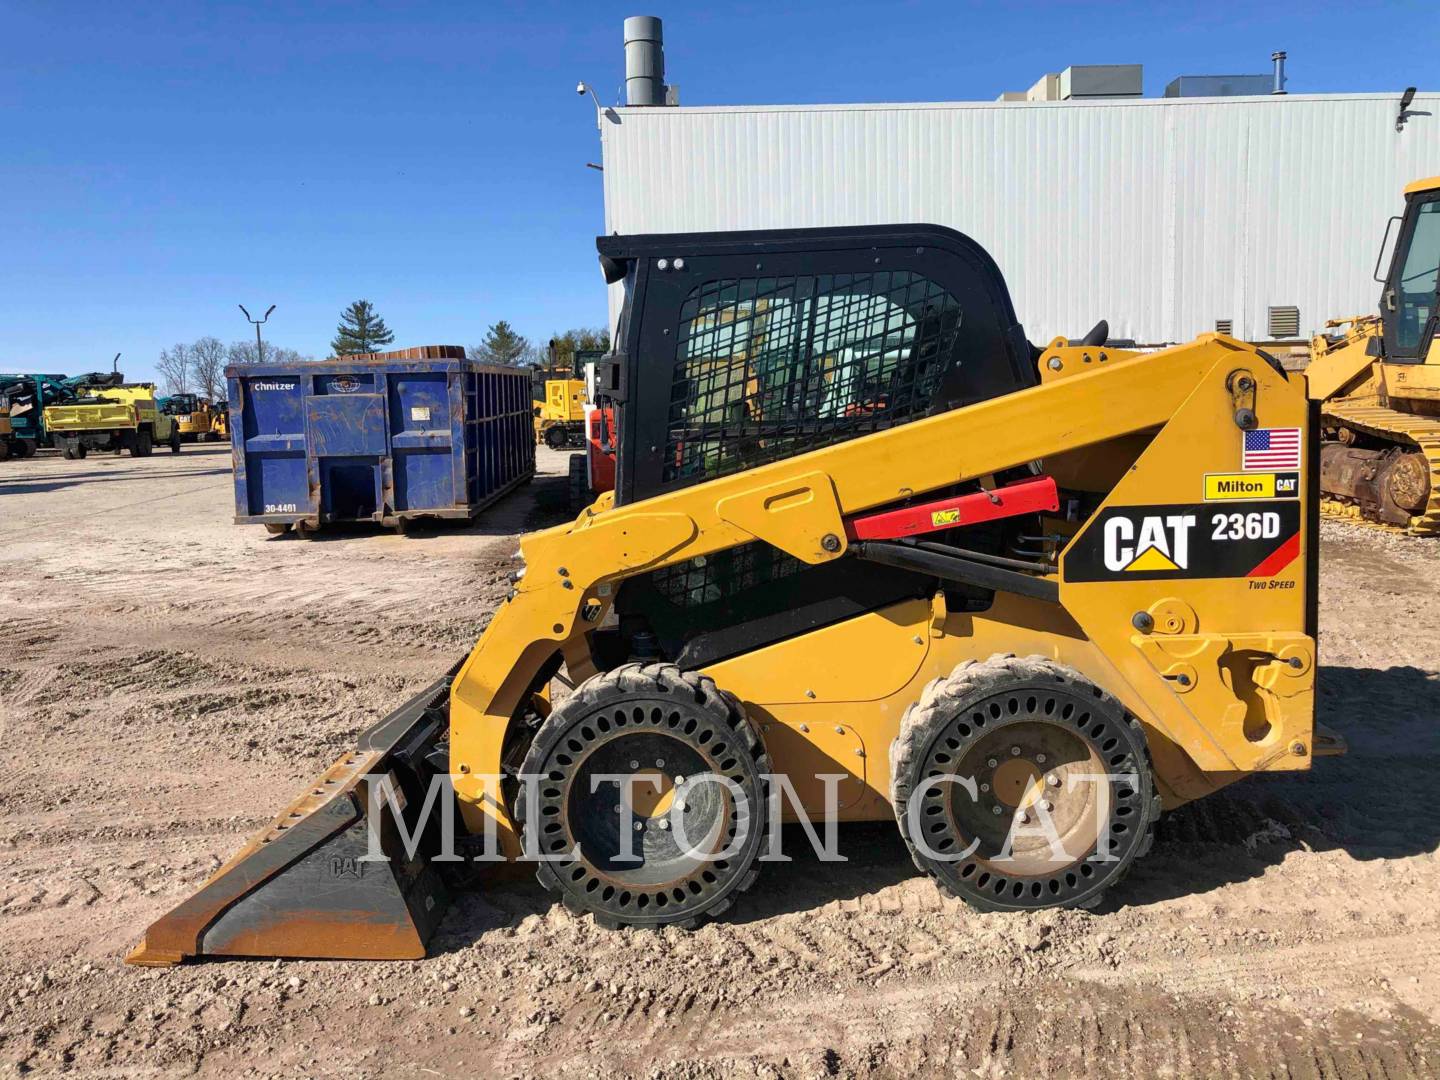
(664, 825)
(659, 763)
(634, 764)
(1040, 758)
(996, 811)
(679, 780)
(638, 826)
(1046, 805)
(1014, 751)
(1053, 780)
(992, 763)
(984, 787)
(1023, 818)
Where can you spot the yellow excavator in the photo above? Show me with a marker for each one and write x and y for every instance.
(870, 556)
(1378, 378)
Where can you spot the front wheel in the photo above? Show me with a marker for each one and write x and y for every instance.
(26, 448)
(174, 440)
(1018, 784)
(649, 799)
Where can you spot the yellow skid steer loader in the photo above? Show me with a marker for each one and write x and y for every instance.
(870, 555)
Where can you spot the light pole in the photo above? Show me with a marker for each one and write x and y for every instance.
(257, 323)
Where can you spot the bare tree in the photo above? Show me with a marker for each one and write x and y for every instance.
(241, 353)
(174, 368)
(207, 365)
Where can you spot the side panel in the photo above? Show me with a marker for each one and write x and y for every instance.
(422, 458)
(268, 444)
(1199, 594)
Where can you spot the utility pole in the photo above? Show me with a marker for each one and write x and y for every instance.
(257, 323)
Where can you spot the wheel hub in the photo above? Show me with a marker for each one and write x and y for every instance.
(1038, 775)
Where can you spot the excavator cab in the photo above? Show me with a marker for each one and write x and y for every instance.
(871, 556)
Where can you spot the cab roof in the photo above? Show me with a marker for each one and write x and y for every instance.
(1430, 183)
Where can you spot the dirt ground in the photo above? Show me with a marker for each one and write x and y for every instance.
(168, 680)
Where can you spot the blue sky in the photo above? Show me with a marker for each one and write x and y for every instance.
(163, 162)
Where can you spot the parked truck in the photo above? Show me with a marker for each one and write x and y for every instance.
(121, 417)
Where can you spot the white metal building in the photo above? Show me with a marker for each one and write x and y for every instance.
(1167, 216)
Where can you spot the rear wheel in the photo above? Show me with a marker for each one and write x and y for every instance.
(25, 448)
(4, 449)
(276, 530)
(142, 444)
(555, 437)
(650, 795)
(1019, 785)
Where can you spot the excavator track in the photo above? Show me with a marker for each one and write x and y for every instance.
(1399, 429)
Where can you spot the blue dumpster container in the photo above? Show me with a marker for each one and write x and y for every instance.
(380, 438)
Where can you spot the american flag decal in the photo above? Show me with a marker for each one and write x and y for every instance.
(1271, 448)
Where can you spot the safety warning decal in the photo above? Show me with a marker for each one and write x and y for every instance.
(1222, 487)
(1190, 540)
(945, 517)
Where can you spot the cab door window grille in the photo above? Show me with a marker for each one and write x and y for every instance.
(768, 367)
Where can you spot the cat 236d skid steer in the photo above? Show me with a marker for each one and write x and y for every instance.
(868, 549)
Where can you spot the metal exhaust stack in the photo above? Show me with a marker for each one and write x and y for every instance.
(1279, 59)
(644, 61)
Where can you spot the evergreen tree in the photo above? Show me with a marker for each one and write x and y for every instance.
(361, 330)
(502, 345)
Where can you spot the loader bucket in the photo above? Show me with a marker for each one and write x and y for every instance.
(301, 887)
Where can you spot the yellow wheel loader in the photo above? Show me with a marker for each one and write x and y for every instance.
(1379, 380)
(870, 556)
